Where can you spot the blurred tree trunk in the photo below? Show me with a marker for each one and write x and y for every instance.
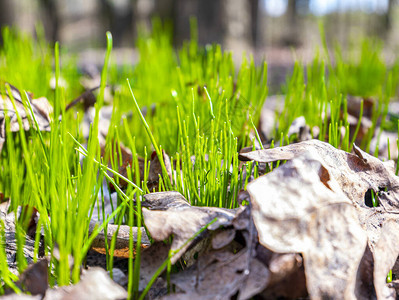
(50, 19)
(229, 22)
(254, 6)
(209, 17)
(6, 15)
(388, 15)
(118, 18)
(292, 37)
(387, 19)
(382, 24)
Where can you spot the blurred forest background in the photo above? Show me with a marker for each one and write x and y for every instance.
(270, 29)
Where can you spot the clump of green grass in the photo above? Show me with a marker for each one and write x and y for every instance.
(319, 92)
(197, 106)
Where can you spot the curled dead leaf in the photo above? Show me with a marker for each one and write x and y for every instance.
(165, 201)
(386, 252)
(222, 275)
(287, 277)
(34, 280)
(181, 220)
(41, 109)
(356, 174)
(294, 211)
(95, 284)
(299, 131)
(152, 259)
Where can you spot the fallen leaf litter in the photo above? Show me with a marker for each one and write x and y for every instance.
(309, 230)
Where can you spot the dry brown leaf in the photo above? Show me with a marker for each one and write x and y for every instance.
(231, 271)
(41, 109)
(231, 263)
(95, 284)
(122, 154)
(190, 257)
(354, 103)
(124, 169)
(221, 275)
(395, 284)
(171, 214)
(287, 277)
(152, 259)
(282, 264)
(364, 282)
(225, 237)
(181, 221)
(385, 252)
(158, 289)
(87, 98)
(34, 280)
(365, 125)
(353, 111)
(299, 131)
(357, 174)
(164, 201)
(294, 211)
